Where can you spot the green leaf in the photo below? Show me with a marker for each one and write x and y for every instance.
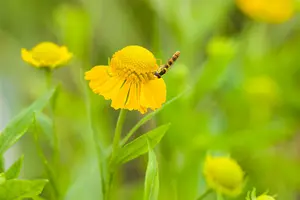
(152, 177)
(251, 195)
(14, 170)
(20, 124)
(17, 189)
(139, 147)
(45, 123)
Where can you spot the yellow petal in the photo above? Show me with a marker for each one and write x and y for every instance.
(111, 87)
(65, 55)
(98, 76)
(96, 72)
(27, 57)
(153, 94)
(120, 99)
(133, 99)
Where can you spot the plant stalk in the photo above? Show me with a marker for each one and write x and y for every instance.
(115, 150)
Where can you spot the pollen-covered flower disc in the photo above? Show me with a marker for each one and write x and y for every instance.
(224, 175)
(46, 54)
(129, 81)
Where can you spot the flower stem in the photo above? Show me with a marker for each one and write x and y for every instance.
(207, 192)
(118, 132)
(49, 81)
(115, 150)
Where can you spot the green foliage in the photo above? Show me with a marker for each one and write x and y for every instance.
(139, 147)
(19, 189)
(46, 125)
(243, 98)
(251, 195)
(2, 178)
(14, 170)
(19, 125)
(152, 176)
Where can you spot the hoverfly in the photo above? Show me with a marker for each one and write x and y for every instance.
(164, 68)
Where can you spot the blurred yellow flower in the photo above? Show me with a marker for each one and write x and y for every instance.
(129, 81)
(262, 89)
(46, 54)
(224, 175)
(271, 11)
(265, 197)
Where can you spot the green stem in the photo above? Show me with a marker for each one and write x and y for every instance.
(49, 81)
(48, 168)
(207, 192)
(115, 150)
(118, 132)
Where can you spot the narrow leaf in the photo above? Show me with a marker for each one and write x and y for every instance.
(19, 125)
(19, 189)
(14, 171)
(139, 147)
(152, 177)
(45, 123)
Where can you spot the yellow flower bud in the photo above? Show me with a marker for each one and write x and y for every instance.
(224, 175)
(265, 197)
(262, 89)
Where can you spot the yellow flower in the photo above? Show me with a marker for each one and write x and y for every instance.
(262, 89)
(46, 54)
(265, 197)
(129, 81)
(271, 11)
(224, 175)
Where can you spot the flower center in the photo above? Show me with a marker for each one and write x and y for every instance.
(134, 63)
(47, 53)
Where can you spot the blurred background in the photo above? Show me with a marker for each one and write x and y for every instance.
(239, 60)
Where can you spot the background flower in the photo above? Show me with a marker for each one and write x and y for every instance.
(273, 11)
(265, 197)
(224, 175)
(46, 54)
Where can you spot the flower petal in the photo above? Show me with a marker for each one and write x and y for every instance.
(119, 100)
(27, 57)
(110, 88)
(153, 94)
(96, 72)
(98, 76)
(133, 98)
